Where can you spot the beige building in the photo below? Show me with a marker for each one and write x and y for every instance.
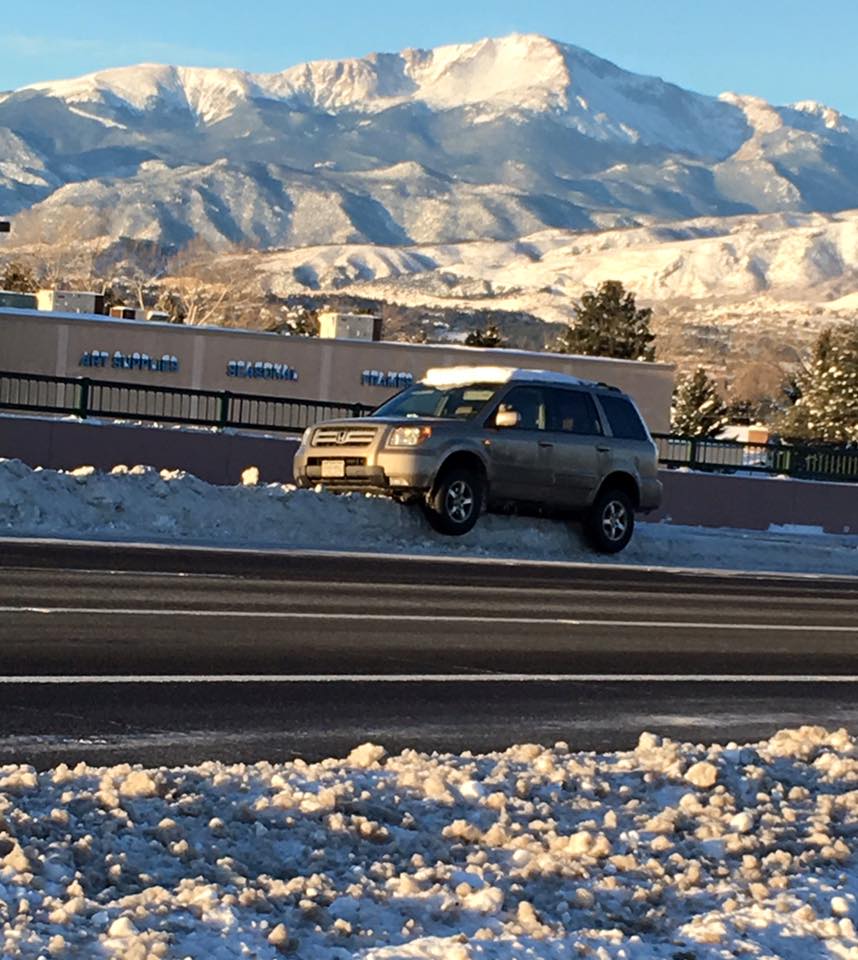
(242, 361)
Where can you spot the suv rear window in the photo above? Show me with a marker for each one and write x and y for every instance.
(624, 419)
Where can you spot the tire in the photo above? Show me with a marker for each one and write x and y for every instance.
(454, 505)
(611, 521)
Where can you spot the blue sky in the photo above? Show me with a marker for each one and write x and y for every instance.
(783, 50)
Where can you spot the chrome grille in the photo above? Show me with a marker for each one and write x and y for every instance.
(344, 436)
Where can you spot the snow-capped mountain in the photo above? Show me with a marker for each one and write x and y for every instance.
(492, 140)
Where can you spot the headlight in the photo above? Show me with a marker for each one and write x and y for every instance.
(409, 436)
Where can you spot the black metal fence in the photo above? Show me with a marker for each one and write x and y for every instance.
(84, 397)
(774, 459)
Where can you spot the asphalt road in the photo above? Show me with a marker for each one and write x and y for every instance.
(175, 655)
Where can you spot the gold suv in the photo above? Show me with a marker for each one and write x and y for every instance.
(468, 439)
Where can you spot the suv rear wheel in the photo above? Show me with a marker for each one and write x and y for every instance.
(454, 505)
(611, 521)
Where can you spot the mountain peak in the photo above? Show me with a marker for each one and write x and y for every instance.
(527, 70)
(496, 77)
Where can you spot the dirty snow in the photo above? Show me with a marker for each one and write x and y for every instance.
(142, 504)
(670, 850)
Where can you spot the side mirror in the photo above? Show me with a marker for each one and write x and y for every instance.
(507, 418)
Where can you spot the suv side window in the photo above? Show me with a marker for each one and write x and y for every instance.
(573, 411)
(529, 402)
(624, 419)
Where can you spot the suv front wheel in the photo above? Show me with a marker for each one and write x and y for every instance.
(611, 521)
(454, 505)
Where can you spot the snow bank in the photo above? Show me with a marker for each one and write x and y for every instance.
(142, 504)
(668, 851)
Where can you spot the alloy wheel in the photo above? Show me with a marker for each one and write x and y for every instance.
(615, 520)
(459, 501)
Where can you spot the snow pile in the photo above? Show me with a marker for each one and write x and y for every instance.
(668, 851)
(142, 504)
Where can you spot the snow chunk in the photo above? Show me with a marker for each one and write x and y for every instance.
(485, 901)
(279, 936)
(250, 476)
(121, 928)
(702, 774)
(840, 906)
(366, 755)
(138, 783)
(13, 856)
(742, 822)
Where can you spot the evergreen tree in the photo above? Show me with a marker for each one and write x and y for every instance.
(490, 337)
(698, 410)
(826, 391)
(19, 278)
(609, 324)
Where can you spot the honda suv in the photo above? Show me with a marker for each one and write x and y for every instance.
(468, 439)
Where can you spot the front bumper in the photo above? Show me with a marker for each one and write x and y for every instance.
(383, 470)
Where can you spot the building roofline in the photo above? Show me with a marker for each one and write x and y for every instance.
(484, 356)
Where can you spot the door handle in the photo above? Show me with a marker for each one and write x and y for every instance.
(545, 443)
(603, 449)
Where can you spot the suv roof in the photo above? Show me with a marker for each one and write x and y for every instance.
(460, 376)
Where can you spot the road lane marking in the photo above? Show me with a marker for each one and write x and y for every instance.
(431, 678)
(427, 618)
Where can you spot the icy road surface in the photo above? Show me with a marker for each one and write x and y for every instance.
(670, 851)
(142, 504)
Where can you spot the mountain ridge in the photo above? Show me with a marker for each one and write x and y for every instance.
(526, 72)
(498, 141)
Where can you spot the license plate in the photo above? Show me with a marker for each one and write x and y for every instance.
(333, 468)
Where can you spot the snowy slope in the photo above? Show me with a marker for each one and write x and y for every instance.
(751, 262)
(142, 504)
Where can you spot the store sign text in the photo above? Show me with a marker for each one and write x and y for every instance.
(378, 378)
(130, 361)
(260, 370)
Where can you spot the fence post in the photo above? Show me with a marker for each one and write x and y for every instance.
(83, 399)
(223, 417)
(692, 460)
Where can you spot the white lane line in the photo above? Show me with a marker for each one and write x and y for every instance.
(433, 678)
(426, 618)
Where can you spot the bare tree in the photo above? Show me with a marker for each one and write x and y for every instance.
(214, 288)
(63, 248)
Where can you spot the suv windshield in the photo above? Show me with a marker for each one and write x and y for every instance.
(462, 402)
